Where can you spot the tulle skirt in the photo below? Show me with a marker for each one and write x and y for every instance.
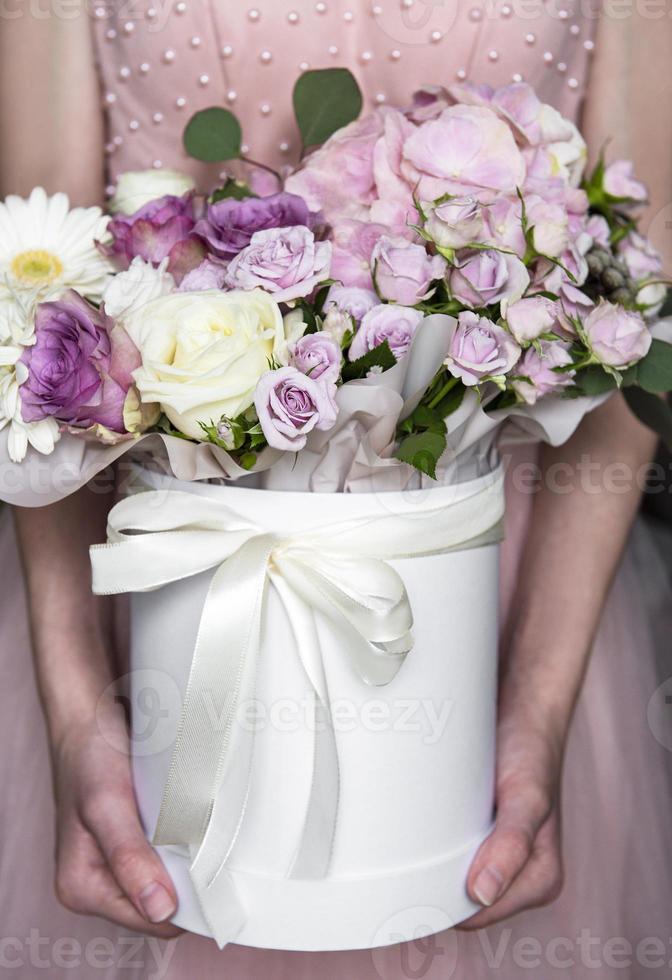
(612, 920)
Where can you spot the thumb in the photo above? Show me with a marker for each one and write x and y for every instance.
(521, 811)
(112, 817)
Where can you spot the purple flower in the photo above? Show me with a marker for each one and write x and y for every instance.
(229, 225)
(207, 275)
(158, 230)
(317, 355)
(528, 318)
(489, 277)
(404, 271)
(79, 369)
(286, 262)
(290, 405)
(395, 324)
(480, 349)
(353, 300)
(538, 374)
(617, 337)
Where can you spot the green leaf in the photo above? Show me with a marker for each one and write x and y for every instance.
(594, 380)
(324, 101)
(213, 135)
(652, 411)
(422, 450)
(380, 356)
(235, 189)
(654, 372)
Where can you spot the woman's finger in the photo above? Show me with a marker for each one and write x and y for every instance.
(539, 882)
(522, 807)
(85, 885)
(112, 817)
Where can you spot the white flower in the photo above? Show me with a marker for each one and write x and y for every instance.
(294, 328)
(139, 284)
(46, 247)
(42, 435)
(135, 188)
(203, 353)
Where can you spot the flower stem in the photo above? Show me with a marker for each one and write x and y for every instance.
(444, 391)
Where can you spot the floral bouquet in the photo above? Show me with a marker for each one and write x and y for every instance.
(371, 321)
(252, 320)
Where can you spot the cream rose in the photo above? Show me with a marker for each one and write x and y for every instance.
(203, 352)
(136, 188)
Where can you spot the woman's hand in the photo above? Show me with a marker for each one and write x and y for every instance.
(104, 864)
(519, 865)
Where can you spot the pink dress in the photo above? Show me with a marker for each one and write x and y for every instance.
(159, 64)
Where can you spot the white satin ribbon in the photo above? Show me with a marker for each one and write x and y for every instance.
(158, 537)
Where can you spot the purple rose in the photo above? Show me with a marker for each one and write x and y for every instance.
(79, 369)
(645, 266)
(617, 337)
(290, 405)
(489, 277)
(229, 225)
(160, 229)
(286, 262)
(538, 371)
(403, 271)
(528, 318)
(395, 324)
(317, 355)
(454, 223)
(480, 349)
(207, 275)
(353, 300)
(574, 305)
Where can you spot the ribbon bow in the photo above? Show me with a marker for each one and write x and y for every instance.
(158, 537)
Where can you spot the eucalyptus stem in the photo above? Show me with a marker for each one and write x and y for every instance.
(263, 166)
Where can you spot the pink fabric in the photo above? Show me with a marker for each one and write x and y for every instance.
(617, 832)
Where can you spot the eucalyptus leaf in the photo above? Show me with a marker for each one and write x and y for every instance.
(324, 101)
(594, 380)
(654, 372)
(213, 135)
(652, 411)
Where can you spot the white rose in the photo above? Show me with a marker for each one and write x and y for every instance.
(203, 352)
(139, 284)
(136, 188)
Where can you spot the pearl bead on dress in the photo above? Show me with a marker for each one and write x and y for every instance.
(207, 63)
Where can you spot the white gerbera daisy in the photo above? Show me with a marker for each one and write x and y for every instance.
(17, 332)
(45, 247)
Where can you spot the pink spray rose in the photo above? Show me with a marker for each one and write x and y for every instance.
(537, 368)
(352, 300)
(395, 324)
(480, 348)
(644, 263)
(403, 271)
(620, 181)
(487, 277)
(528, 318)
(286, 262)
(290, 404)
(317, 355)
(617, 337)
(454, 223)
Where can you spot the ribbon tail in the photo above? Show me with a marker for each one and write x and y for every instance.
(313, 854)
(206, 793)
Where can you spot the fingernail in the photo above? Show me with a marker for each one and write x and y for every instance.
(488, 886)
(157, 904)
